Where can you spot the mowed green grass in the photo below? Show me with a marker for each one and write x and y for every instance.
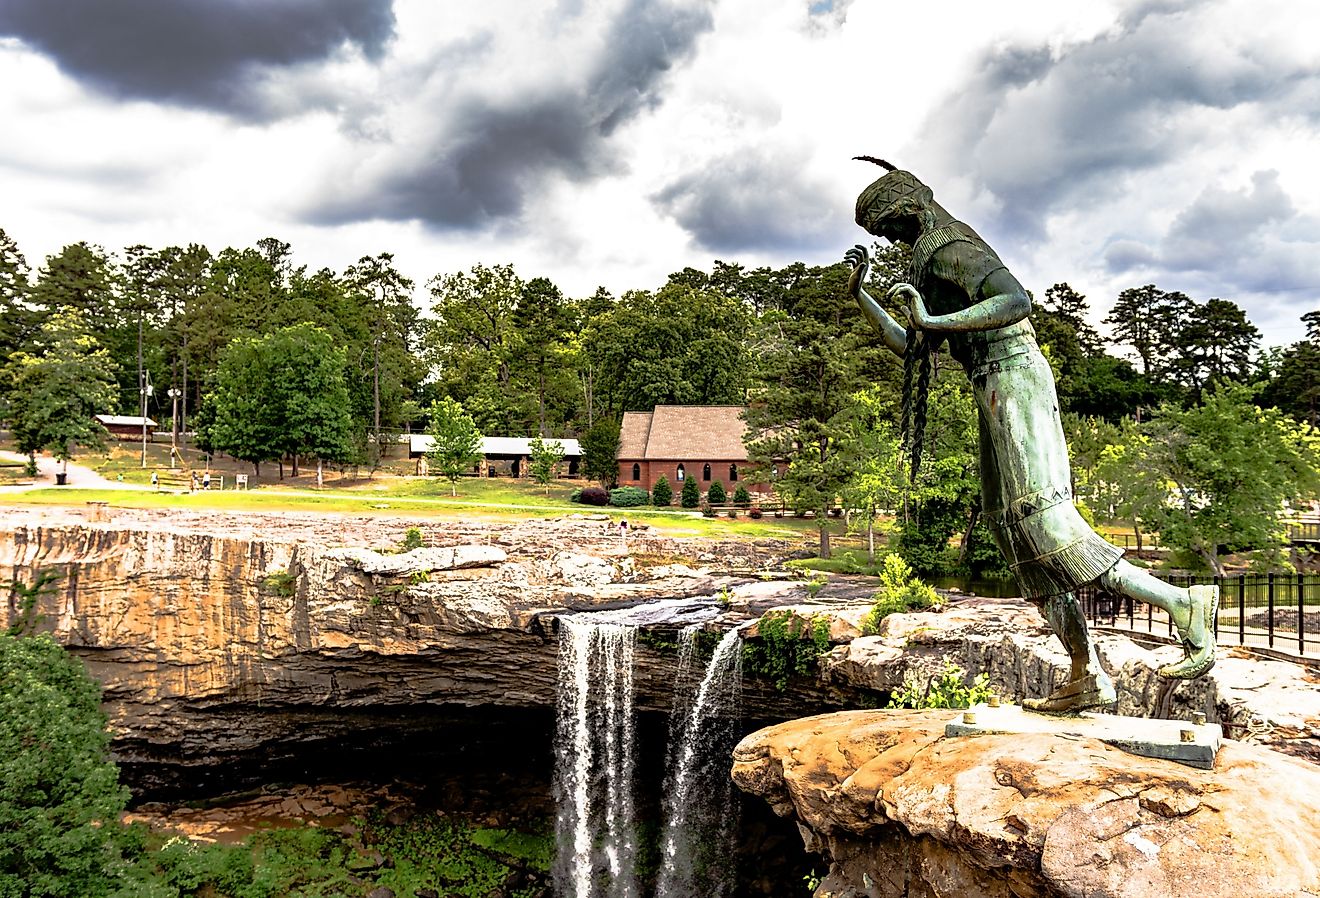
(485, 499)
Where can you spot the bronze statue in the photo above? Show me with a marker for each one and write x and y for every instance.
(960, 292)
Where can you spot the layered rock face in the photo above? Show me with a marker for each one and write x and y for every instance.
(215, 644)
(898, 809)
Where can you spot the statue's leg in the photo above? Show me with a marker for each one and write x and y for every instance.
(1192, 611)
(1088, 685)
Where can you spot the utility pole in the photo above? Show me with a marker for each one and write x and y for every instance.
(146, 391)
(174, 394)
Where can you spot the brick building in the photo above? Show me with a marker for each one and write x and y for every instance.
(704, 442)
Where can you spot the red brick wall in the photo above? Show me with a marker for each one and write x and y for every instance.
(719, 470)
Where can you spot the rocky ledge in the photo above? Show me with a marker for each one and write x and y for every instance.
(898, 809)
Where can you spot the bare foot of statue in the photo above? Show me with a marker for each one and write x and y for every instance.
(1197, 634)
(1094, 690)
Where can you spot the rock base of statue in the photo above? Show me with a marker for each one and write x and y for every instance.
(1195, 744)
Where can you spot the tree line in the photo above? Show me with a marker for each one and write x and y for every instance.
(269, 361)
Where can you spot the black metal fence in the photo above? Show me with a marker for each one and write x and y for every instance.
(1278, 611)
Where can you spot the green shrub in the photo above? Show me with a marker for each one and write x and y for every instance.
(786, 646)
(707, 511)
(946, 689)
(900, 591)
(628, 497)
(741, 497)
(691, 494)
(662, 493)
(716, 495)
(412, 539)
(279, 583)
(576, 495)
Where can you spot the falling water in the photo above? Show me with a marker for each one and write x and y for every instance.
(595, 761)
(699, 808)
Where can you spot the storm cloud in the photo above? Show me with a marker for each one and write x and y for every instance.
(755, 201)
(210, 54)
(1047, 127)
(505, 124)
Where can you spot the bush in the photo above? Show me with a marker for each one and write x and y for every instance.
(691, 494)
(707, 511)
(717, 495)
(593, 495)
(732, 512)
(741, 497)
(945, 690)
(576, 495)
(786, 646)
(412, 539)
(628, 497)
(755, 513)
(662, 493)
(899, 593)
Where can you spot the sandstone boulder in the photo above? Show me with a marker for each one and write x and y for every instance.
(901, 810)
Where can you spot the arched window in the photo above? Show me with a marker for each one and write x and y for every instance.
(682, 472)
(733, 473)
(637, 471)
(705, 473)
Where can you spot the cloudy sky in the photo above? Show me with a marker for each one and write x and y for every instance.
(610, 142)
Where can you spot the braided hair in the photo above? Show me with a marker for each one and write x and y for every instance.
(916, 393)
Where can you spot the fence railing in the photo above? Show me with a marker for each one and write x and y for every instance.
(1304, 532)
(1265, 610)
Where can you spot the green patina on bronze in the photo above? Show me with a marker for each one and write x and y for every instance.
(959, 292)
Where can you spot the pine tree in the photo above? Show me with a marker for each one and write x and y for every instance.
(716, 495)
(662, 493)
(691, 494)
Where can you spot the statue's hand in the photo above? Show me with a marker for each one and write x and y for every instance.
(907, 297)
(860, 261)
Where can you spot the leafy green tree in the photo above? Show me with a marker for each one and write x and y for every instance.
(691, 493)
(281, 395)
(543, 461)
(879, 479)
(600, 453)
(52, 396)
(1127, 484)
(60, 798)
(472, 342)
(662, 494)
(545, 358)
(1231, 466)
(457, 444)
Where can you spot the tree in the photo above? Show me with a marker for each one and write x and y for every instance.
(457, 445)
(544, 459)
(1216, 343)
(390, 319)
(814, 356)
(281, 395)
(1231, 466)
(546, 325)
(879, 480)
(600, 453)
(691, 494)
(1149, 320)
(17, 320)
(716, 494)
(60, 799)
(741, 497)
(662, 494)
(52, 397)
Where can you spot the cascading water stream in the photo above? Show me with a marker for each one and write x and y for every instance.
(594, 762)
(700, 814)
(596, 758)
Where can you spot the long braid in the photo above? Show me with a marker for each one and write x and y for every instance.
(919, 412)
(909, 379)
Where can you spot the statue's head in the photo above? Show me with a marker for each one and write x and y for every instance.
(895, 205)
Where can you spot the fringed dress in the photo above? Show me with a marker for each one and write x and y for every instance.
(1026, 482)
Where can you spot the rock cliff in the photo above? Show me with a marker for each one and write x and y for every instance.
(222, 637)
(898, 809)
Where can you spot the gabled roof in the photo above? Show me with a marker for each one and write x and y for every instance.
(684, 432)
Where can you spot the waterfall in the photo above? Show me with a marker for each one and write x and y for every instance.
(700, 818)
(594, 762)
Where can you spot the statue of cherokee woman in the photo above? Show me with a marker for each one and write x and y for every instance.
(960, 292)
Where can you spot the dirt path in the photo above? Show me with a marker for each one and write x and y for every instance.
(77, 476)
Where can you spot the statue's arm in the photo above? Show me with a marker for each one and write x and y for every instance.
(1001, 301)
(893, 333)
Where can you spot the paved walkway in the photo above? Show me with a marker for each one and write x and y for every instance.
(78, 476)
